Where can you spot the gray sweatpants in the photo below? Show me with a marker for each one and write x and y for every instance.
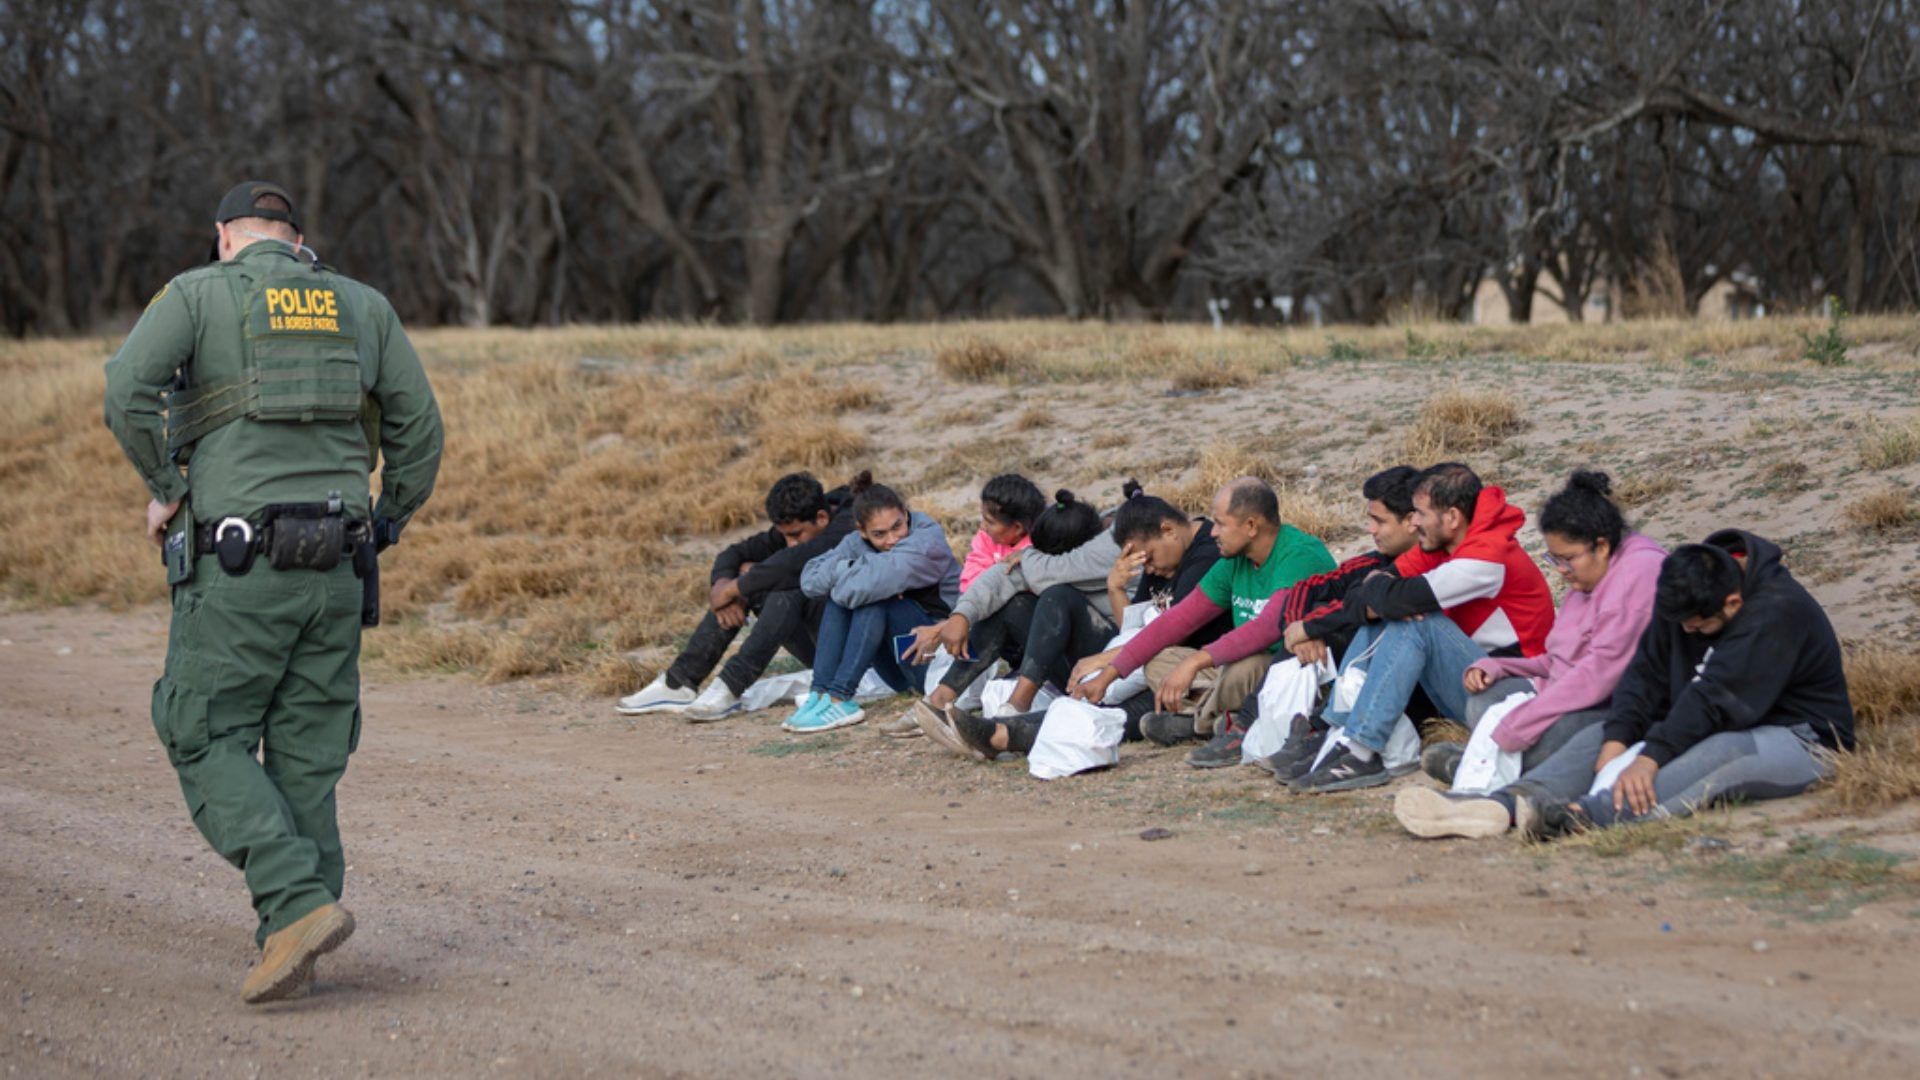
(1768, 762)
(1550, 740)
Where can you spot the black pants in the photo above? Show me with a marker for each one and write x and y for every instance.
(1024, 728)
(787, 619)
(1000, 636)
(1065, 628)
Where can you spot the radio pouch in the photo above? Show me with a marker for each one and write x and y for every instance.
(305, 536)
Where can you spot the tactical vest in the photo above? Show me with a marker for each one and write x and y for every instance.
(300, 363)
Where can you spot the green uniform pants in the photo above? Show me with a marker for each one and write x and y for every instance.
(259, 708)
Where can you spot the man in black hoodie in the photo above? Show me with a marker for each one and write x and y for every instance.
(1736, 691)
(761, 576)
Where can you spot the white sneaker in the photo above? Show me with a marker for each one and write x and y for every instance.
(716, 702)
(656, 696)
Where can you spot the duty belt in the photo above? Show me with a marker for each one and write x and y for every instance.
(207, 536)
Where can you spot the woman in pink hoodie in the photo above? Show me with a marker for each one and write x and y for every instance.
(1610, 572)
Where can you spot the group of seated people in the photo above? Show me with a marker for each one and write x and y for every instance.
(1666, 681)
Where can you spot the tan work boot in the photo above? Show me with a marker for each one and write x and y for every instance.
(286, 963)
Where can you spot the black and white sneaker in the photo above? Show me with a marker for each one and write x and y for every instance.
(1537, 819)
(1224, 748)
(1296, 754)
(1342, 771)
(976, 732)
(1442, 760)
(1168, 728)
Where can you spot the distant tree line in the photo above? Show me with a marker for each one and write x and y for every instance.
(524, 162)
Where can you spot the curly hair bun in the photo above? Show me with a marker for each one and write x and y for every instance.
(1131, 489)
(1064, 497)
(861, 481)
(1589, 480)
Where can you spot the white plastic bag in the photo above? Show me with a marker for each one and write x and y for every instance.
(792, 689)
(1289, 689)
(995, 706)
(1485, 767)
(1074, 737)
(776, 690)
(1607, 777)
(1403, 746)
(969, 699)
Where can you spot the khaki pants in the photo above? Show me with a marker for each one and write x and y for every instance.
(1215, 690)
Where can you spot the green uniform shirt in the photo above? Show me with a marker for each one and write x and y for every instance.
(197, 323)
(1244, 588)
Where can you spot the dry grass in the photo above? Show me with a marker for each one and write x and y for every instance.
(1889, 444)
(1884, 684)
(1640, 489)
(1301, 505)
(980, 360)
(1033, 418)
(1458, 422)
(1889, 508)
(550, 546)
(1201, 375)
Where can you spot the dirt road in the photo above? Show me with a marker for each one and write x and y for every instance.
(546, 889)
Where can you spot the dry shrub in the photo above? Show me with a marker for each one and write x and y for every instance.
(1889, 444)
(1033, 419)
(1884, 684)
(1456, 422)
(1310, 511)
(815, 444)
(1644, 488)
(1220, 463)
(1883, 770)
(1303, 507)
(980, 360)
(1891, 508)
(1199, 375)
(1443, 731)
(614, 676)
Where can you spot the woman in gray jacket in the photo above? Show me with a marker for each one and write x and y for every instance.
(895, 571)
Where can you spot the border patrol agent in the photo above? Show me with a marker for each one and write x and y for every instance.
(272, 380)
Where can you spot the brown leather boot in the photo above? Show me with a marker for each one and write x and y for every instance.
(286, 963)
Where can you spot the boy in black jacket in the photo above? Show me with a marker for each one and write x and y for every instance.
(759, 575)
(1736, 691)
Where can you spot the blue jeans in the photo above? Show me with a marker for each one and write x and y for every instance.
(1431, 653)
(851, 641)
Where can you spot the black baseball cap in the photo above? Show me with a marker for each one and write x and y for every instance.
(240, 203)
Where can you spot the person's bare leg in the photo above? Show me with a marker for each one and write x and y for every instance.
(1024, 691)
(999, 740)
(943, 696)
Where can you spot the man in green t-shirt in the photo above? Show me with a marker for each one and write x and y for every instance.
(1259, 556)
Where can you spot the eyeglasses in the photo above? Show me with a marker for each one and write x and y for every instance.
(1564, 566)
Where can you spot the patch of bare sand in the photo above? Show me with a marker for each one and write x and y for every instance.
(544, 888)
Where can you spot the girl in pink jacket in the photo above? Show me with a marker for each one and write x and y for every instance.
(1009, 505)
(1611, 572)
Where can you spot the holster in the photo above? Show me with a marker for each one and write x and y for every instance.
(179, 551)
(366, 567)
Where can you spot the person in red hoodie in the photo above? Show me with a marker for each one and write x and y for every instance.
(1465, 592)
